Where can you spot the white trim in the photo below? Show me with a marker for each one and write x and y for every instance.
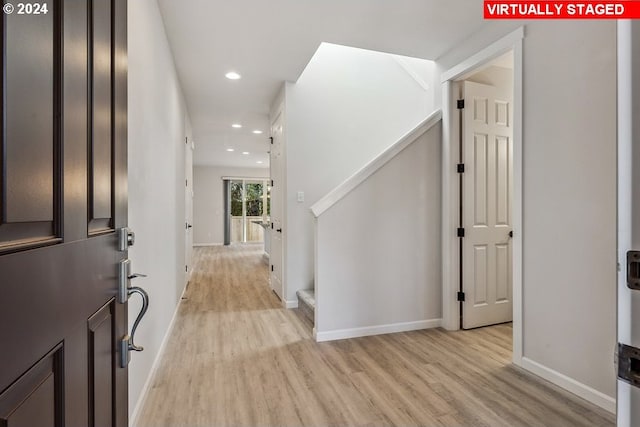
(290, 303)
(517, 206)
(589, 394)
(451, 307)
(134, 421)
(245, 178)
(370, 168)
(625, 165)
(204, 245)
(392, 328)
(492, 51)
(450, 195)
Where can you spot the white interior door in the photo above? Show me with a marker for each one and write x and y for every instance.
(276, 258)
(628, 397)
(487, 200)
(188, 206)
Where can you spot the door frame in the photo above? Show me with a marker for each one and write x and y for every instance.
(450, 194)
(278, 110)
(188, 256)
(627, 92)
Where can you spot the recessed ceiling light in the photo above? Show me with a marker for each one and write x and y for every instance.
(236, 125)
(259, 162)
(257, 132)
(245, 152)
(230, 149)
(232, 75)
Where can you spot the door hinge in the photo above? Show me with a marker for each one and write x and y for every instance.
(460, 167)
(272, 183)
(460, 104)
(186, 182)
(186, 268)
(460, 232)
(272, 268)
(271, 139)
(633, 270)
(629, 364)
(461, 296)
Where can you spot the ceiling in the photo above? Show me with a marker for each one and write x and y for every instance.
(269, 42)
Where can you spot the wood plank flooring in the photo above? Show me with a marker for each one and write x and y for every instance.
(236, 358)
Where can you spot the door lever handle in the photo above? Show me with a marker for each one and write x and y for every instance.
(145, 306)
(127, 344)
(135, 276)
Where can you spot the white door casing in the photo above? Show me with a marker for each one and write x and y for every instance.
(276, 258)
(628, 310)
(487, 206)
(188, 206)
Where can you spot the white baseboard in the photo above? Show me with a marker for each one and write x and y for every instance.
(204, 245)
(340, 334)
(133, 420)
(290, 304)
(589, 394)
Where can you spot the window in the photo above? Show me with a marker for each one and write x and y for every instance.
(250, 207)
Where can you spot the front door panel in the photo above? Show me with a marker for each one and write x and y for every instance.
(62, 195)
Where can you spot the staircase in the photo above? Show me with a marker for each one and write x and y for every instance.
(307, 303)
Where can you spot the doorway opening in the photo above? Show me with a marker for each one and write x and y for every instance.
(250, 209)
(482, 178)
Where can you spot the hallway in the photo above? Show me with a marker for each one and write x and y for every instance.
(236, 358)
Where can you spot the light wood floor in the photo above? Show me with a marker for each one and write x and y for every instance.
(236, 358)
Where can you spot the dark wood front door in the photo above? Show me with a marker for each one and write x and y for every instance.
(63, 196)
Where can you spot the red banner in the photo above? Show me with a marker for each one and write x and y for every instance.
(501, 9)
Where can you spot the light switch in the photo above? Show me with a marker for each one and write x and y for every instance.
(300, 196)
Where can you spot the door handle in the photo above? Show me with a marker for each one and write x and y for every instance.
(279, 230)
(187, 225)
(143, 310)
(127, 344)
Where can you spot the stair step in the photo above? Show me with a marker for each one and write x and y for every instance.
(307, 302)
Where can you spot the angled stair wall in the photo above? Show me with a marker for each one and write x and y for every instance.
(377, 246)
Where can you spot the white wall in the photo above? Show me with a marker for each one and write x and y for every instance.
(569, 198)
(208, 201)
(378, 258)
(344, 110)
(158, 124)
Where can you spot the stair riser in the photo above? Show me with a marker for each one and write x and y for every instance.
(306, 309)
